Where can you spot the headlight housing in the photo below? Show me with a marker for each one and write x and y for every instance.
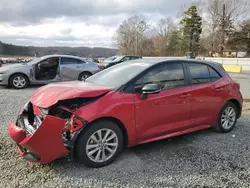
(74, 123)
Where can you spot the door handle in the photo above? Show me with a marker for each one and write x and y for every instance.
(186, 95)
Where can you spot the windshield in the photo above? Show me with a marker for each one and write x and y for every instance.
(35, 60)
(118, 75)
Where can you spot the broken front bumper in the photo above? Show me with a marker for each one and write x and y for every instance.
(45, 144)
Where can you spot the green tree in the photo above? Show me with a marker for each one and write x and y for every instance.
(240, 39)
(191, 28)
(174, 47)
(1, 47)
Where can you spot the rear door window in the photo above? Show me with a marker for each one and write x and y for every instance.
(199, 73)
(70, 61)
(213, 74)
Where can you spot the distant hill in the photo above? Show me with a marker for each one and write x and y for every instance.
(9, 49)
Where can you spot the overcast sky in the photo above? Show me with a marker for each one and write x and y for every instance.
(75, 22)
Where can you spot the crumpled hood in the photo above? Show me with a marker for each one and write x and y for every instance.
(50, 94)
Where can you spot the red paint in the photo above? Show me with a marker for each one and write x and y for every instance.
(50, 94)
(163, 113)
(170, 113)
(114, 104)
(16, 133)
(46, 142)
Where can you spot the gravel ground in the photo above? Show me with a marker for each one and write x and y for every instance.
(201, 159)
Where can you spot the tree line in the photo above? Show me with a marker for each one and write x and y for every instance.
(206, 27)
(10, 49)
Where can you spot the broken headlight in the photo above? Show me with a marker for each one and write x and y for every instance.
(44, 111)
(26, 106)
(74, 123)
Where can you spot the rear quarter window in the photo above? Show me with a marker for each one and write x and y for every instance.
(213, 74)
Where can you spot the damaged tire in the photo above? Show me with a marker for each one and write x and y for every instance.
(99, 145)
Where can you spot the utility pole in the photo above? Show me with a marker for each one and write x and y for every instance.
(223, 30)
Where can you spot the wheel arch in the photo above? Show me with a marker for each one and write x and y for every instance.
(20, 73)
(84, 72)
(116, 121)
(237, 104)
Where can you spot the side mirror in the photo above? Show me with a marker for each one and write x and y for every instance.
(150, 89)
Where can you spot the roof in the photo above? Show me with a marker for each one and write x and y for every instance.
(61, 55)
(156, 60)
(160, 59)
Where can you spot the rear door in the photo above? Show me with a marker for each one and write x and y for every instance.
(70, 68)
(166, 112)
(207, 93)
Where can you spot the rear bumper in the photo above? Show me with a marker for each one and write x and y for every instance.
(44, 145)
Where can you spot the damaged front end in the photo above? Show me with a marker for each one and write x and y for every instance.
(45, 134)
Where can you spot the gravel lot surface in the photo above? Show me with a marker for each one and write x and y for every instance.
(201, 159)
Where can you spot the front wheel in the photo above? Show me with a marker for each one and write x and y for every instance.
(18, 81)
(100, 144)
(227, 118)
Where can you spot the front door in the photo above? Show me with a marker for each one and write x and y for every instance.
(45, 71)
(166, 112)
(70, 68)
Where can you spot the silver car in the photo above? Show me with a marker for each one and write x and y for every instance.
(47, 69)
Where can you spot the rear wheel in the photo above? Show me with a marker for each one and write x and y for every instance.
(100, 144)
(227, 118)
(83, 76)
(19, 81)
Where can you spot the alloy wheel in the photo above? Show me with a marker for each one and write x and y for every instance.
(228, 118)
(19, 82)
(102, 145)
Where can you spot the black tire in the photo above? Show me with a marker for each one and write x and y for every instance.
(81, 143)
(84, 75)
(219, 127)
(22, 77)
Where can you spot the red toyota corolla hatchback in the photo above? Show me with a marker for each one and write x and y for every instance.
(128, 104)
